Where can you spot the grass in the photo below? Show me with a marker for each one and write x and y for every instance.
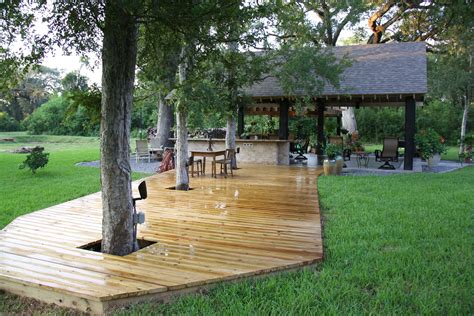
(393, 245)
(22, 192)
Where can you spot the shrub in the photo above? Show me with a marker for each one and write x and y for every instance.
(52, 118)
(429, 143)
(8, 123)
(37, 159)
(48, 117)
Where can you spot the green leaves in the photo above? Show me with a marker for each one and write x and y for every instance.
(429, 143)
(304, 70)
(37, 159)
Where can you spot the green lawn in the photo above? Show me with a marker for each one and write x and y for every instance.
(393, 245)
(22, 192)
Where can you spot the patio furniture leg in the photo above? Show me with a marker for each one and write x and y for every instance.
(387, 165)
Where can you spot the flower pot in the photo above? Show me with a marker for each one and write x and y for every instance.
(312, 160)
(434, 160)
(339, 164)
(329, 167)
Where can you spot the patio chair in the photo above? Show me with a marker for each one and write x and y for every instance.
(227, 161)
(388, 154)
(142, 150)
(155, 147)
(154, 143)
(298, 149)
(198, 166)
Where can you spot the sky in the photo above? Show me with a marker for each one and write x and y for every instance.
(72, 63)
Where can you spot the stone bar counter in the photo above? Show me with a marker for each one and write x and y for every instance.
(263, 151)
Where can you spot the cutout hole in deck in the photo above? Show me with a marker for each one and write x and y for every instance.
(97, 245)
(174, 188)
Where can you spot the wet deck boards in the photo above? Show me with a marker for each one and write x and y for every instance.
(264, 219)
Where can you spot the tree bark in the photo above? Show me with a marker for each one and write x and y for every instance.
(348, 120)
(182, 177)
(231, 126)
(465, 115)
(118, 75)
(230, 137)
(165, 121)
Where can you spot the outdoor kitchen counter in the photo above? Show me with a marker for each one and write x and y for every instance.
(264, 151)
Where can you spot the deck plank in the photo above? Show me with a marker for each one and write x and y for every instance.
(264, 219)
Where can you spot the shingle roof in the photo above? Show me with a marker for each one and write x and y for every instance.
(394, 68)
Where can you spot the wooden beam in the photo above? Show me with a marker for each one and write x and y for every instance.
(339, 125)
(410, 130)
(283, 127)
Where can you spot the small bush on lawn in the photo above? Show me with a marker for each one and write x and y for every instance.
(37, 159)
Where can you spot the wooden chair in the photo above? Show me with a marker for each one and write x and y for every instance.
(227, 161)
(389, 153)
(198, 166)
(142, 150)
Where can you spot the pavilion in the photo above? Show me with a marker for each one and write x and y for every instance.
(393, 74)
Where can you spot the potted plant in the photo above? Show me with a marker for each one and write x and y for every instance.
(312, 143)
(430, 146)
(339, 161)
(329, 164)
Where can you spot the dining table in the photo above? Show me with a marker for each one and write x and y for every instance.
(210, 154)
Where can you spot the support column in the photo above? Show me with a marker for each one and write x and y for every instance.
(240, 121)
(339, 125)
(410, 130)
(283, 127)
(320, 132)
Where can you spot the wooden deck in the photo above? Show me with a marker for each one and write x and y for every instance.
(264, 219)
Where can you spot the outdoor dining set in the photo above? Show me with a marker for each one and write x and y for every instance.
(221, 159)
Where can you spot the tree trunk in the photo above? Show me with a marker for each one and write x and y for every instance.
(348, 120)
(165, 121)
(118, 75)
(230, 137)
(182, 177)
(465, 115)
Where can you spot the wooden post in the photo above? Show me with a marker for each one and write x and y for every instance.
(283, 128)
(320, 132)
(339, 125)
(410, 130)
(240, 121)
